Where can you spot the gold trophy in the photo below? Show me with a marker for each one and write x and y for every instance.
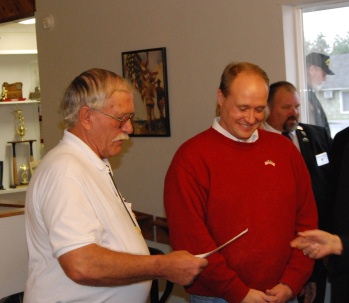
(24, 169)
(4, 93)
(21, 130)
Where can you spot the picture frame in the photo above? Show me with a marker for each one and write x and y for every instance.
(146, 70)
(1, 174)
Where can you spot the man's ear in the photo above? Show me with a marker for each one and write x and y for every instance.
(85, 117)
(220, 97)
(312, 70)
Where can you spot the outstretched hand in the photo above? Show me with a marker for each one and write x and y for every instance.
(317, 243)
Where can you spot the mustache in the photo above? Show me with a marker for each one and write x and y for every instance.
(121, 136)
(292, 118)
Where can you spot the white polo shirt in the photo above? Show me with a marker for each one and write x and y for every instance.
(71, 202)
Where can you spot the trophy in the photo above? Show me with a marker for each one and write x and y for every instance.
(24, 169)
(21, 130)
(4, 93)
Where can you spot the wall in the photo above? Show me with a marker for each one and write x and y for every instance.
(14, 255)
(201, 37)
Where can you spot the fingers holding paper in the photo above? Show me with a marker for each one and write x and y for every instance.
(183, 268)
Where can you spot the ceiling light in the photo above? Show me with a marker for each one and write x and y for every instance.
(28, 21)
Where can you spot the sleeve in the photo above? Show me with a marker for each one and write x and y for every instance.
(184, 198)
(70, 220)
(345, 254)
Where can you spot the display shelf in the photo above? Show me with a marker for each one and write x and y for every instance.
(19, 102)
(9, 124)
(13, 190)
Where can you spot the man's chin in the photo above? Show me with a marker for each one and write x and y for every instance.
(245, 135)
(317, 86)
(291, 125)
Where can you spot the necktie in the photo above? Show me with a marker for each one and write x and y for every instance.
(287, 135)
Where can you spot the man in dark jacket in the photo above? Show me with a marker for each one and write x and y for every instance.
(317, 243)
(314, 144)
(317, 71)
(338, 265)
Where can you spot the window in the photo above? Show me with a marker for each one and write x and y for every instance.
(322, 32)
(345, 102)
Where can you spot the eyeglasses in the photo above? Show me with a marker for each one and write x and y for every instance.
(122, 120)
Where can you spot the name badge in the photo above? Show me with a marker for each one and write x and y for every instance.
(322, 159)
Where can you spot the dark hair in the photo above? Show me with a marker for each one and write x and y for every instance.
(275, 87)
(232, 70)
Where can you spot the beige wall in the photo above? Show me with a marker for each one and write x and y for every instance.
(201, 37)
(14, 255)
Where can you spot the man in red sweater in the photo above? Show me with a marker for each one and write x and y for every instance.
(235, 176)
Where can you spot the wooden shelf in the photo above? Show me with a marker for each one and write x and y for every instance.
(18, 102)
(13, 190)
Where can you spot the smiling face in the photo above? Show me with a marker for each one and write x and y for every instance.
(242, 110)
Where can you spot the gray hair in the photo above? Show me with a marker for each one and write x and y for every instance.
(91, 88)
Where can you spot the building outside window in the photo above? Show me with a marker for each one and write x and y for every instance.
(324, 29)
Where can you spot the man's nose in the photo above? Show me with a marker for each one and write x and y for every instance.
(127, 127)
(250, 116)
(294, 111)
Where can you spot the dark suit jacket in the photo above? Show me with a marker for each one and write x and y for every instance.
(314, 140)
(340, 199)
(317, 110)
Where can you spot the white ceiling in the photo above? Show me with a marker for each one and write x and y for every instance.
(15, 27)
(17, 38)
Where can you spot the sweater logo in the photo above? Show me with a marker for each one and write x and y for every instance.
(269, 162)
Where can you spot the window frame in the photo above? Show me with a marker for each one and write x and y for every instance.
(294, 46)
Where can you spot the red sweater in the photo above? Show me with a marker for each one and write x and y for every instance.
(216, 187)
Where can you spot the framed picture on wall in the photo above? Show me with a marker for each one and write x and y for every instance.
(146, 71)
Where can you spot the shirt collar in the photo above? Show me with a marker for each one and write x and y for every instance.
(254, 137)
(269, 128)
(71, 139)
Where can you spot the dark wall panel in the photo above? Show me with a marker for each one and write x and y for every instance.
(16, 9)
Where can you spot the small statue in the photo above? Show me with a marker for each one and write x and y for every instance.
(24, 174)
(21, 130)
(4, 93)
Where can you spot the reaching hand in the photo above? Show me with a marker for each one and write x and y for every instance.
(317, 243)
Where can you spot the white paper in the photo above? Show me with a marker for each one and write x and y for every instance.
(205, 255)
